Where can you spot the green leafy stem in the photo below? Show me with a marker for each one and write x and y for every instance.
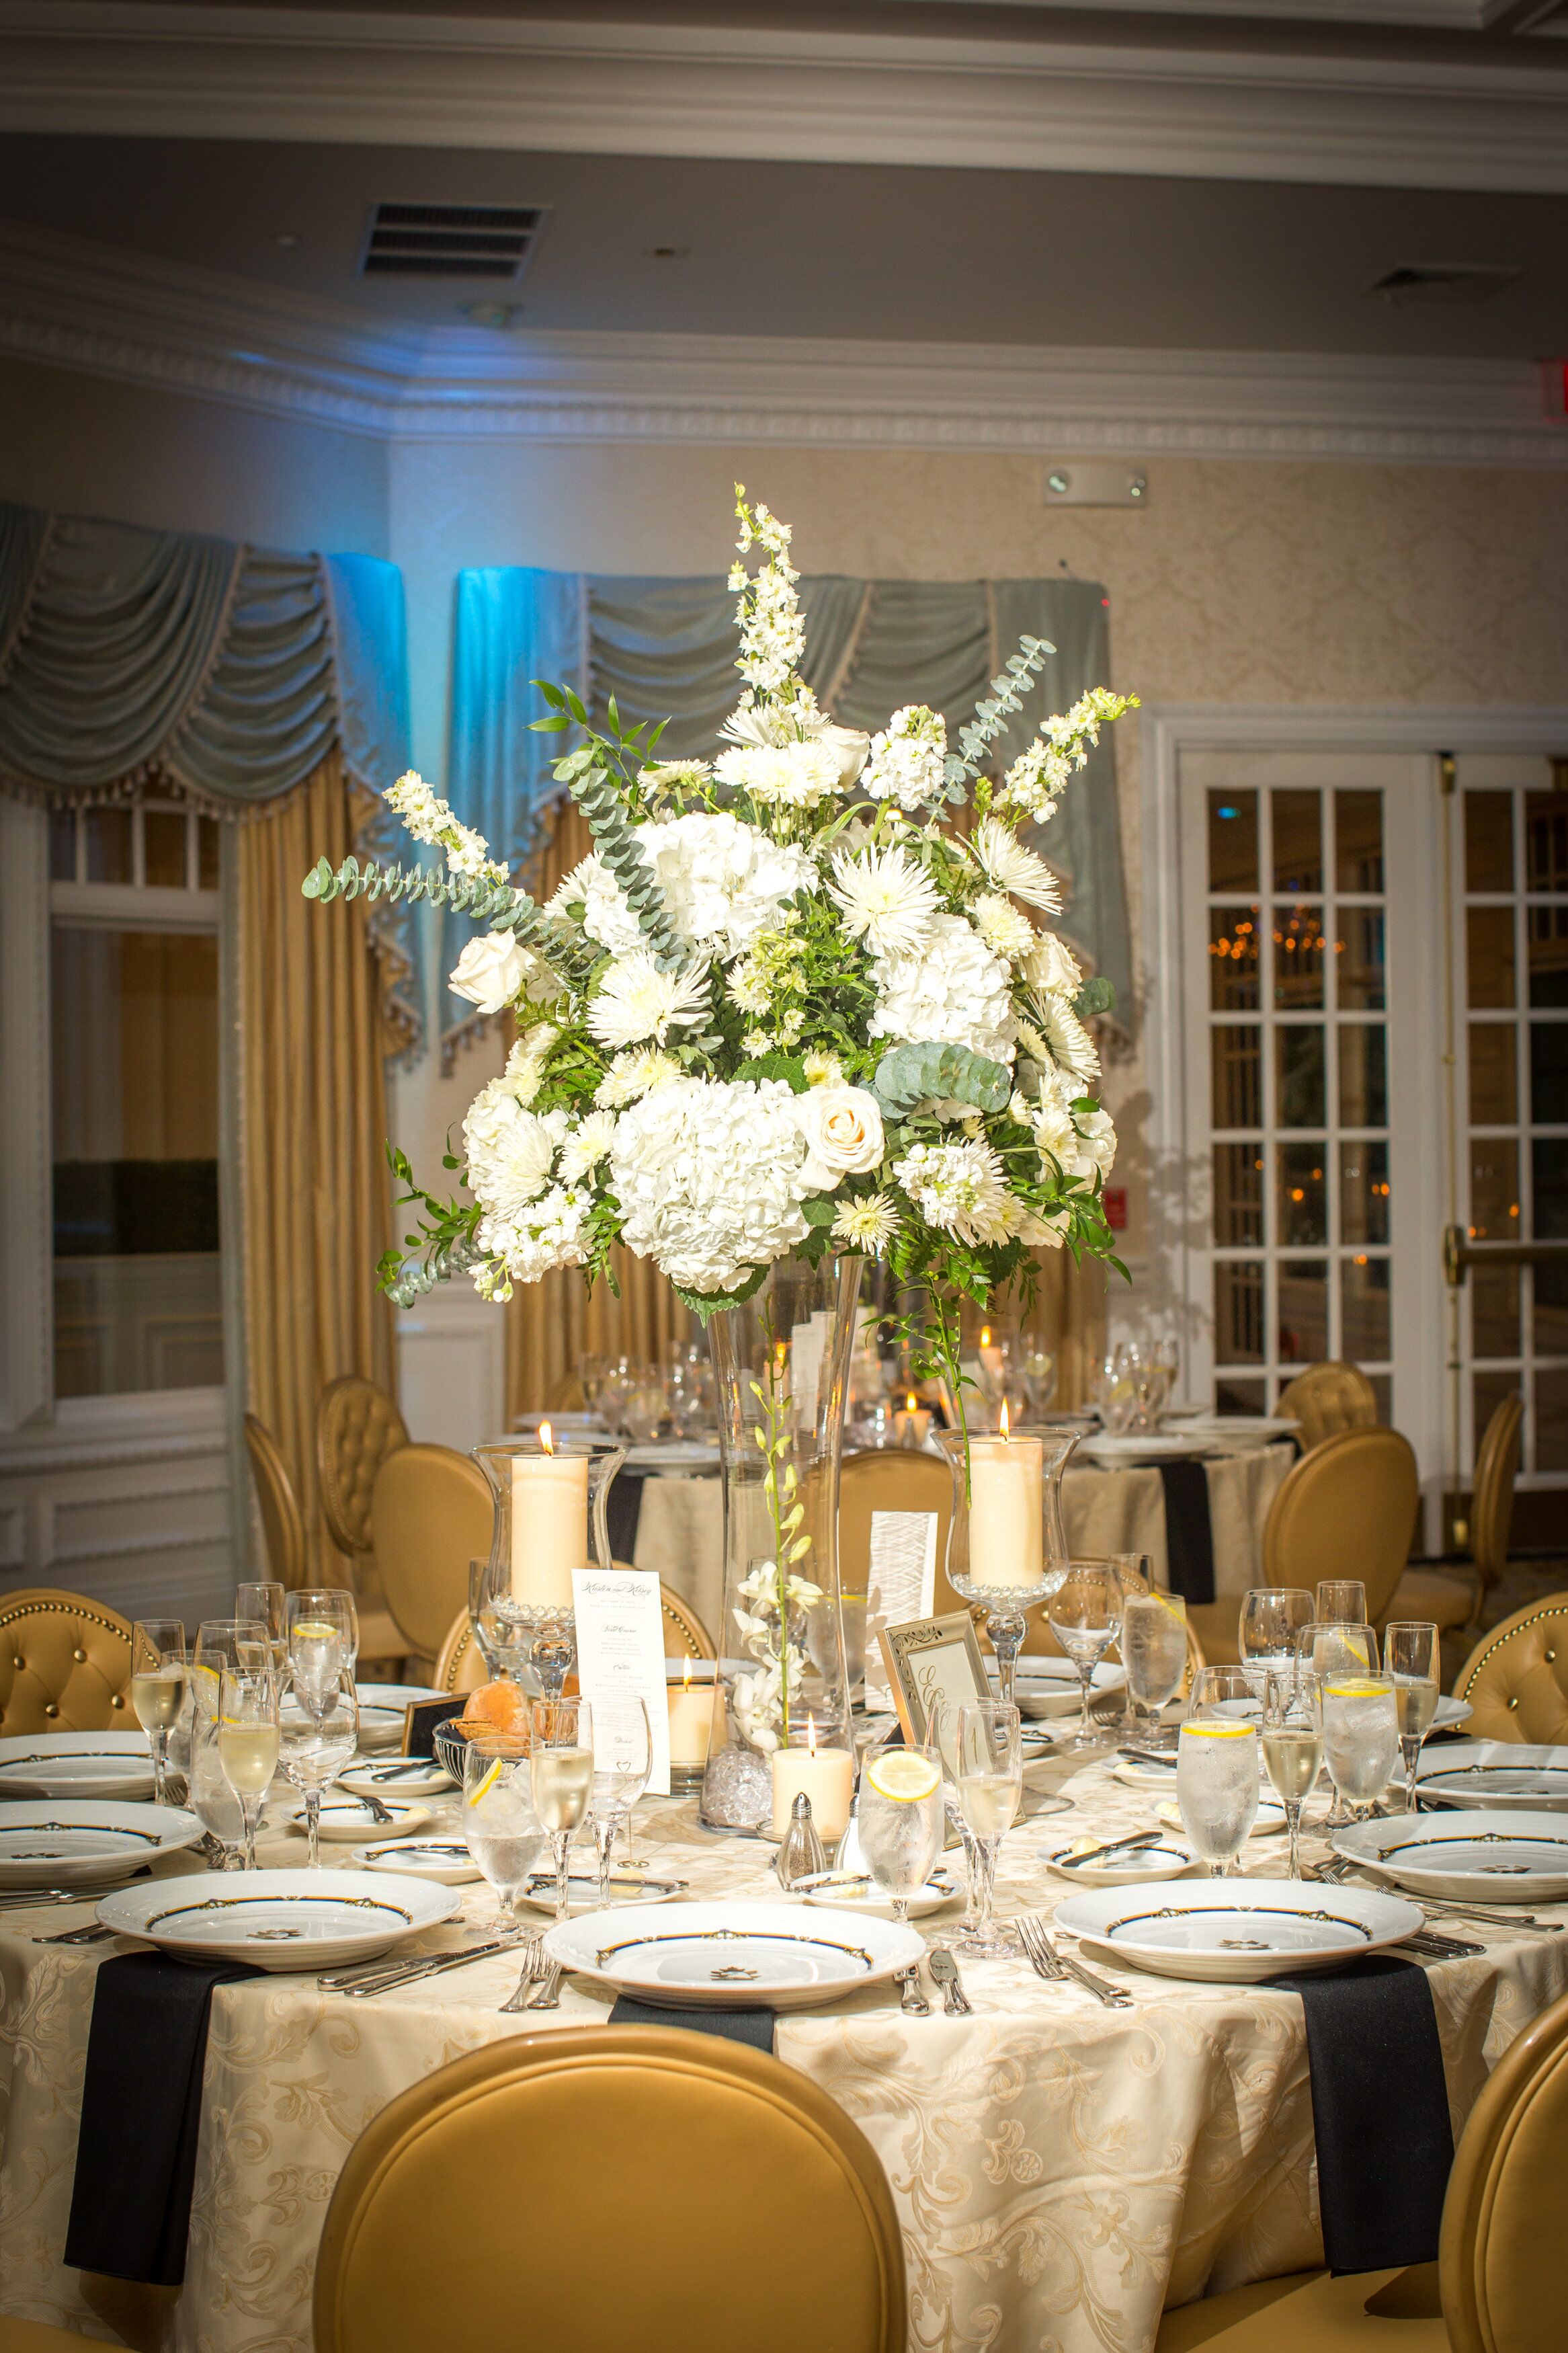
(502, 905)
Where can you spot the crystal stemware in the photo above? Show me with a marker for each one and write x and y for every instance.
(1005, 1548)
(158, 1689)
(1411, 1655)
(623, 1759)
(990, 1777)
(902, 1822)
(248, 1742)
(321, 1629)
(499, 1826)
(266, 1602)
(1153, 1652)
(1216, 1783)
(1341, 1601)
(1292, 1755)
(1333, 1647)
(1361, 1735)
(1085, 1615)
(1272, 1616)
(561, 1778)
(317, 1736)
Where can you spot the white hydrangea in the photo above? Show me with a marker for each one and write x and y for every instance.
(606, 918)
(952, 990)
(801, 774)
(708, 1176)
(906, 758)
(524, 1248)
(959, 1189)
(510, 1149)
(724, 882)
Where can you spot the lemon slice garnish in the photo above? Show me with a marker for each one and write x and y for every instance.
(477, 1797)
(1356, 1690)
(1216, 1731)
(903, 1778)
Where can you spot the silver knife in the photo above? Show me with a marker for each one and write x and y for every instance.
(1115, 1846)
(365, 1972)
(431, 1969)
(944, 1973)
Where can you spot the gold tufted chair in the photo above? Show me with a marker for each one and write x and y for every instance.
(500, 2160)
(1347, 1508)
(1496, 2285)
(357, 1427)
(65, 1664)
(430, 1515)
(1456, 1598)
(281, 1521)
(1327, 1399)
(1516, 1678)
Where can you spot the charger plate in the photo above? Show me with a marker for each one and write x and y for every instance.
(76, 1842)
(293, 1920)
(1238, 1931)
(1474, 1857)
(1523, 1778)
(76, 1765)
(734, 1956)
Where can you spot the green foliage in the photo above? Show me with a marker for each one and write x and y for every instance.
(1096, 996)
(502, 905)
(910, 1076)
(788, 1066)
(442, 1245)
(993, 712)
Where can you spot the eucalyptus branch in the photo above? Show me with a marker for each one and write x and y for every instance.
(991, 716)
(502, 905)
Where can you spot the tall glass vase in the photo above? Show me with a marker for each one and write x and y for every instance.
(781, 1693)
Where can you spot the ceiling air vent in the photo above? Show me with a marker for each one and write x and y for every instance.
(451, 240)
(1444, 281)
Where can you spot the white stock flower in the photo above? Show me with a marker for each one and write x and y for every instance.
(429, 819)
(533, 1241)
(782, 776)
(887, 900)
(843, 1130)
(1008, 866)
(951, 991)
(635, 1000)
(1001, 926)
(634, 1074)
(1095, 1153)
(586, 1145)
(868, 1224)
(708, 1176)
(958, 1188)
(1052, 965)
(906, 758)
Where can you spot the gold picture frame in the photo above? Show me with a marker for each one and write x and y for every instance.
(930, 1659)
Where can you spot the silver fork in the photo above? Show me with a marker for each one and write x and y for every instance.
(548, 1996)
(533, 1967)
(1034, 1936)
(93, 1933)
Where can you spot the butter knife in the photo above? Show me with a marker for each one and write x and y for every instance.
(1115, 1846)
(944, 1973)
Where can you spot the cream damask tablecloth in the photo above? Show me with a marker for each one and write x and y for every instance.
(1062, 2172)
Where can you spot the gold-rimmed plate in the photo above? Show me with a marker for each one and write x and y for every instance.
(718, 1956)
(1238, 1931)
(281, 1920)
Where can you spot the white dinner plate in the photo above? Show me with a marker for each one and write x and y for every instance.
(445, 1860)
(382, 1708)
(414, 1776)
(1241, 1432)
(288, 1920)
(1521, 1776)
(674, 1454)
(583, 1890)
(1048, 1687)
(1121, 1449)
(76, 1765)
(1170, 1860)
(1137, 1775)
(344, 1817)
(1268, 1822)
(870, 1905)
(734, 1956)
(81, 1842)
(1238, 1931)
(1451, 1714)
(1474, 1858)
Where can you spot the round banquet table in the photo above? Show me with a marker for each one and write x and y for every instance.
(1061, 2172)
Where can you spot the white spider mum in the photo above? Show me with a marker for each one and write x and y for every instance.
(1069, 1042)
(635, 1000)
(1002, 927)
(510, 1149)
(586, 1145)
(886, 900)
(1008, 866)
(952, 990)
(958, 1188)
(782, 775)
(631, 1076)
(868, 1224)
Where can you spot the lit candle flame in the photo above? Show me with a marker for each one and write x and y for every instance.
(1003, 1419)
(911, 1402)
(986, 1335)
(685, 1675)
(546, 1438)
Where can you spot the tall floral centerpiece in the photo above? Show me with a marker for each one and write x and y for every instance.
(798, 1008)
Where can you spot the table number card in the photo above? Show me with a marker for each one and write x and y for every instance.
(902, 1586)
(620, 1650)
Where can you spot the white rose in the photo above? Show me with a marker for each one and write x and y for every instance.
(491, 971)
(843, 1132)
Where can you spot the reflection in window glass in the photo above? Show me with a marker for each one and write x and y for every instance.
(1233, 841)
(1549, 1179)
(1494, 1101)
(1233, 959)
(1547, 928)
(1494, 1311)
(108, 833)
(1303, 1200)
(1299, 1075)
(1297, 957)
(1358, 840)
(1494, 1188)
(1489, 936)
(1237, 1077)
(1303, 1310)
(1549, 1074)
(1238, 1312)
(1363, 1309)
(1552, 1418)
(135, 1105)
(1364, 1074)
(1237, 1196)
(1359, 953)
(1546, 841)
(1363, 1192)
(163, 848)
(1297, 841)
(1489, 841)
(1551, 1284)
(1239, 1397)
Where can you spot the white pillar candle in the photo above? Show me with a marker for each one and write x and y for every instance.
(828, 1778)
(1006, 1485)
(690, 1719)
(549, 1525)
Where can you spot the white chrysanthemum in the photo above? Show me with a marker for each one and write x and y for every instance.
(888, 901)
(510, 1149)
(1008, 866)
(524, 1248)
(670, 776)
(868, 1224)
(1002, 927)
(958, 1188)
(586, 1145)
(951, 991)
(632, 1075)
(822, 1070)
(1069, 1042)
(906, 759)
(708, 1175)
(1052, 965)
(634, 1000)
(524, 1070)
(607, 917)
(782, 775)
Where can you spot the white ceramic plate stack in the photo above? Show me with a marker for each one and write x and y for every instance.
(1116, 1450)
(282, 1920)
(114, 1765)
(1238, 1931)
(1049, 1686)
(1239, 1433)
(380, 1713)
(733, 1955)
(1518, 1776)
(348, 1818)
(82, 1843)
(1472, 1857)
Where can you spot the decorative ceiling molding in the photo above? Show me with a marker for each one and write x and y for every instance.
(1497, 120)
(77, 304)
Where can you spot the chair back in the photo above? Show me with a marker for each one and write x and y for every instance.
(1507, 2202)
(1346, 1508)
(685, 1635)
(430, 1515)
(1516, 1678)
(459, 1663)
(892, 1479)
(357, 1427)
(1491, 1490)
(1327, 1399)
(65, 1663)
(282, 1523)
(500, 2160)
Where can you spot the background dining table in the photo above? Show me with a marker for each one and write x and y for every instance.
(1062, 2171)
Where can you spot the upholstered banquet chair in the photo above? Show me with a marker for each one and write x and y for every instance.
(569, 2162)
(1455, 1598)
(1516, 1678)
(282, 1523)
(358, 1425)
(1496, 2286)
(430, 1515)
(65, 1663)
(460, 1666)
(1327, 1399)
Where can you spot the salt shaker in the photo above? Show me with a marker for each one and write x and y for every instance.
(801, 1852)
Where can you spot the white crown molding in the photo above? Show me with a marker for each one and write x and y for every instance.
(151, 69)
(72, 304)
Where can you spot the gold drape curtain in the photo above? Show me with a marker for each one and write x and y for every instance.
(313, 1124)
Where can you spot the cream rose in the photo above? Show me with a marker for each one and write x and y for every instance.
(490, 972)
(843, 1132)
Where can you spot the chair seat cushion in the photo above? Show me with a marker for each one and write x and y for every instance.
(1431, 1596)
(1313, 2312)
(18, 2335)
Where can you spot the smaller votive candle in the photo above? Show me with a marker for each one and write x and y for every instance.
(828, 1778)
(912, 1426)
(690, 1718)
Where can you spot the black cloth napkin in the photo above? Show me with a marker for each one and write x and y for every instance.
(623, 1508)
(141, 2115)
(753, 2026)
(1380, 2111)
(1189, 1531)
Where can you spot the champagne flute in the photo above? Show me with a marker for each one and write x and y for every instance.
(503, 1833)
(1341, 1601)
(1154, 1651)
(158, 1689)
(1272, 1618)
(323, 1629)
(623, 1759)
(1334, 1648)
(1361, 1736)
(220, 1642)
(902, 1822)
(562, 1777)
(1410, 1656)
(265, 1602)
(990, 1775)
(1085, 1615)
(1293, 1757)
(314, 1743)
(247, 1743)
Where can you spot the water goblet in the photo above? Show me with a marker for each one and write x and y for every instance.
(561, 1778)
(314, 1743)
(1153, 1652)
(623, 1759)
(1216, 1784)
(322, 1627)
(1272, 1616)
(1292, 1755)
(902, 1822)
(1361, 1736)
(248, 1742)
(1341, 1601)
(1085, 1615)
(990, 1778)
(1333, 1647)
(499, 1826)
(266, 1602)
(158, 1689)
(1410, 1655)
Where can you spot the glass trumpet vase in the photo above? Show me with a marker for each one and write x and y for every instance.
(1005, 1546)
(781, 1362)
(549, 1494)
